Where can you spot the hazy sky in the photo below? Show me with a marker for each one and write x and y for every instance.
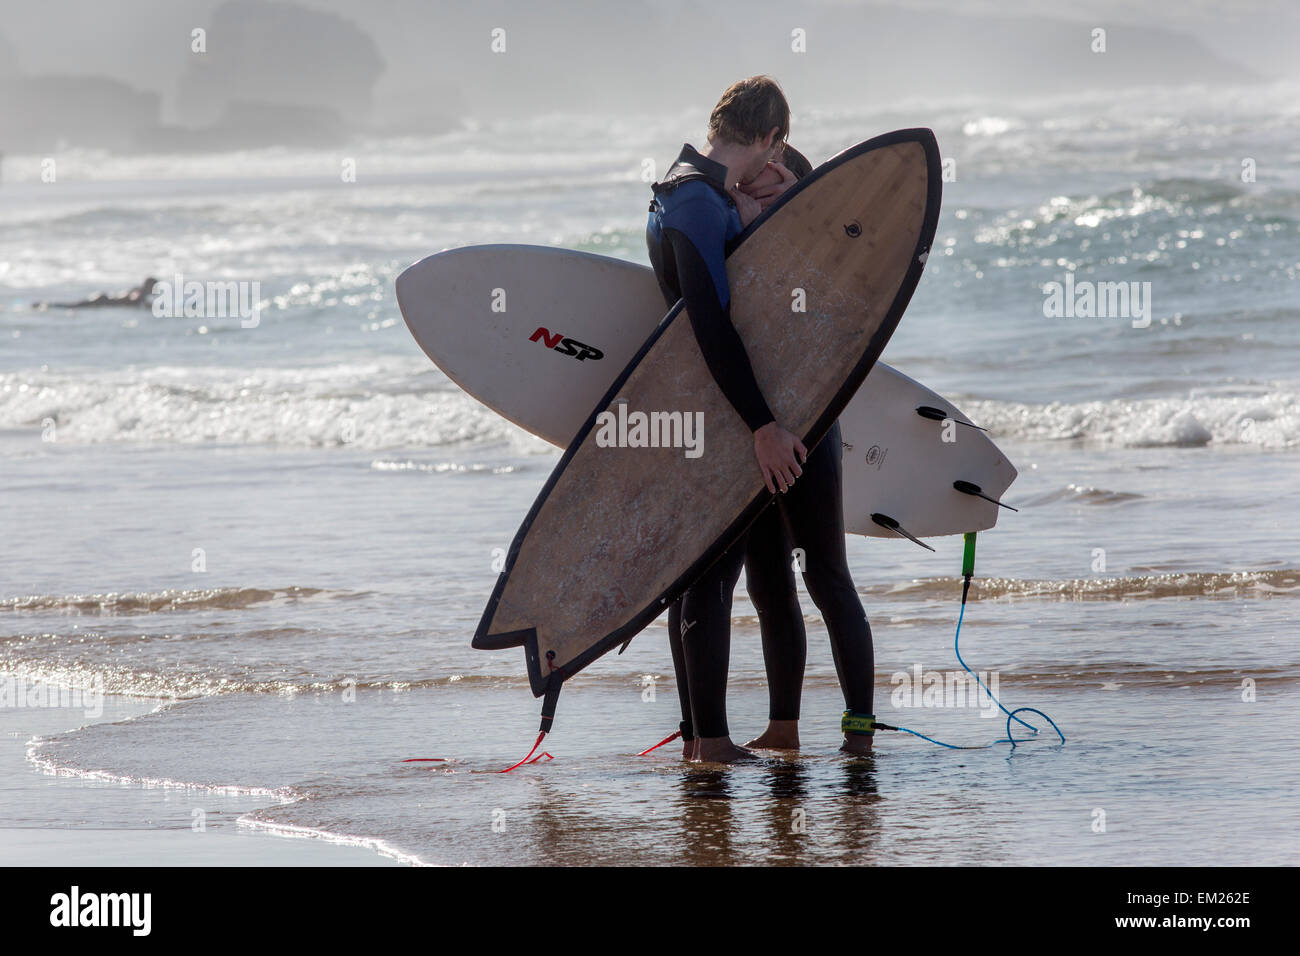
(643, 52)
(1264, 34)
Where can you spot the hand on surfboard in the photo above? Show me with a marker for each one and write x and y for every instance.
(779, 454)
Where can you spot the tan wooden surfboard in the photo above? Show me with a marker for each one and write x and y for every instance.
(620, 532)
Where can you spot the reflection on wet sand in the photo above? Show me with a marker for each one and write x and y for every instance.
(707, 814)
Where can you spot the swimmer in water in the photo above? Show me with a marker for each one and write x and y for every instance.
(139, 297)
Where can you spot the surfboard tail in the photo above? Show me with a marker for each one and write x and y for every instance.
(542, 680)
(499, 642)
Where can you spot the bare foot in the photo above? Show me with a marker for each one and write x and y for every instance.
(780, 735)
(856, 744)
(720, 750)
(688, 749)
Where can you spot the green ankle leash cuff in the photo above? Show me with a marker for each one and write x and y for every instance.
(863, 725)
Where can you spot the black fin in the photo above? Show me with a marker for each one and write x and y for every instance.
(970, 488)
(887, 522)
(939, 415)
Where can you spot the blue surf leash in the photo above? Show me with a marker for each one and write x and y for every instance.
(968, 571)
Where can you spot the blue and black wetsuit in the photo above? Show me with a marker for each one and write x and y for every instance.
(691, 225)
(692, 222)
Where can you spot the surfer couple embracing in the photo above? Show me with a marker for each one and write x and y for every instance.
(703, 203)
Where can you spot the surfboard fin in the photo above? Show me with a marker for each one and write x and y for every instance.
(939, 415)
(887, 522)
(970, 488)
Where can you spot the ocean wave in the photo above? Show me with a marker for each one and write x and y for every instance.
(1266, 420)
(372, 406)
(1047, 671)
(1081, 494)
(260, 820)
(1212, 211)
(1131, 675)
(406, 404)
(1173, 584)
(42, 753)
(152, 602)
(442, 467)
(1169, 583)
(181, 684)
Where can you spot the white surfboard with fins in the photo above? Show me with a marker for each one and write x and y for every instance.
(539, 334)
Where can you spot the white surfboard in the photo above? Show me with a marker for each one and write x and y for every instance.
(538, 334)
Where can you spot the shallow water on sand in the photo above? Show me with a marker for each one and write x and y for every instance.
(311, 678)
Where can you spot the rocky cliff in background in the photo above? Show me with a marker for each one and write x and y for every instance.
(274, 74)
(42, 113)
(281, 55)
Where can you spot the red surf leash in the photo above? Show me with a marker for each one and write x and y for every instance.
(530, 754)
(666, 740)
(548, 716)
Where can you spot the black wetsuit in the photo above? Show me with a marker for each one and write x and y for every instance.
(810, 514)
